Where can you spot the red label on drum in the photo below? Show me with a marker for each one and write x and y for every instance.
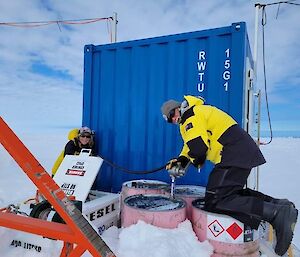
(234, 230)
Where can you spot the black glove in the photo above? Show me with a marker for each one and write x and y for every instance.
(181, 160)
(176, 167)
(199, 161)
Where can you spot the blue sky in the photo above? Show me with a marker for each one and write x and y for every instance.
(42, 68)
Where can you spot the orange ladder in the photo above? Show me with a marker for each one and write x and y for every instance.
(78, 235)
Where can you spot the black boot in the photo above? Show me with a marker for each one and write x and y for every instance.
(270, 199)
(266, 198)
(283, 219)
(283, 202)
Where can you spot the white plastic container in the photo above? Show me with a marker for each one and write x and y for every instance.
(103, 209)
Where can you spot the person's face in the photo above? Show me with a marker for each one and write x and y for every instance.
(174, 116)
(85, 138)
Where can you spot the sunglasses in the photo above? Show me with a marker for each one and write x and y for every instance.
(171, 115)
(87, 136)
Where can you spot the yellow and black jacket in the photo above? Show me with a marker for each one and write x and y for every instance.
(209, 133)
(73, 147)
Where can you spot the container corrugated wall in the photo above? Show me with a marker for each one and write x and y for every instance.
(126, 83)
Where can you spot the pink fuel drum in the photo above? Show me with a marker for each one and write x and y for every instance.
(189, 193)
(158, 210)
(142, 186)
(228, 236)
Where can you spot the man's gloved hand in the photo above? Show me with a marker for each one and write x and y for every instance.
(177, 171)
(175, 168)
(172, 163)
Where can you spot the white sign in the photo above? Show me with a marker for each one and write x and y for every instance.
(77, 173)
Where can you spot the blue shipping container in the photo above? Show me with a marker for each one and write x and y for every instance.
(126, 83)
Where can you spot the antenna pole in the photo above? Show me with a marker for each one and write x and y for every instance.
(114, 28)
(255, 47)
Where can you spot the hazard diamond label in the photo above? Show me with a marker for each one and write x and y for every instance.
(216, 228)
(234, 230)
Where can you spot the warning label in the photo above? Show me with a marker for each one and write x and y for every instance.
(224, 228)
(234, 230)
(248, 234)
(216, 228)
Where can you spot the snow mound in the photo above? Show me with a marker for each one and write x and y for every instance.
(158, 242)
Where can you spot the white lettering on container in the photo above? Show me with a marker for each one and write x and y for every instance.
(101, 212)
(201, 66)
(227, 74)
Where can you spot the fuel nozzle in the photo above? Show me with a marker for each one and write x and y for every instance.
(176, 172)
(172, 186)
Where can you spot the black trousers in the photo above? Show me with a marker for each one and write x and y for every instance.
(225, 194)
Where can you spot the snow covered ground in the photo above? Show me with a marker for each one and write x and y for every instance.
(279, 178)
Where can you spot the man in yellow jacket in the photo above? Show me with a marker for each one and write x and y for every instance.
(211, 134)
